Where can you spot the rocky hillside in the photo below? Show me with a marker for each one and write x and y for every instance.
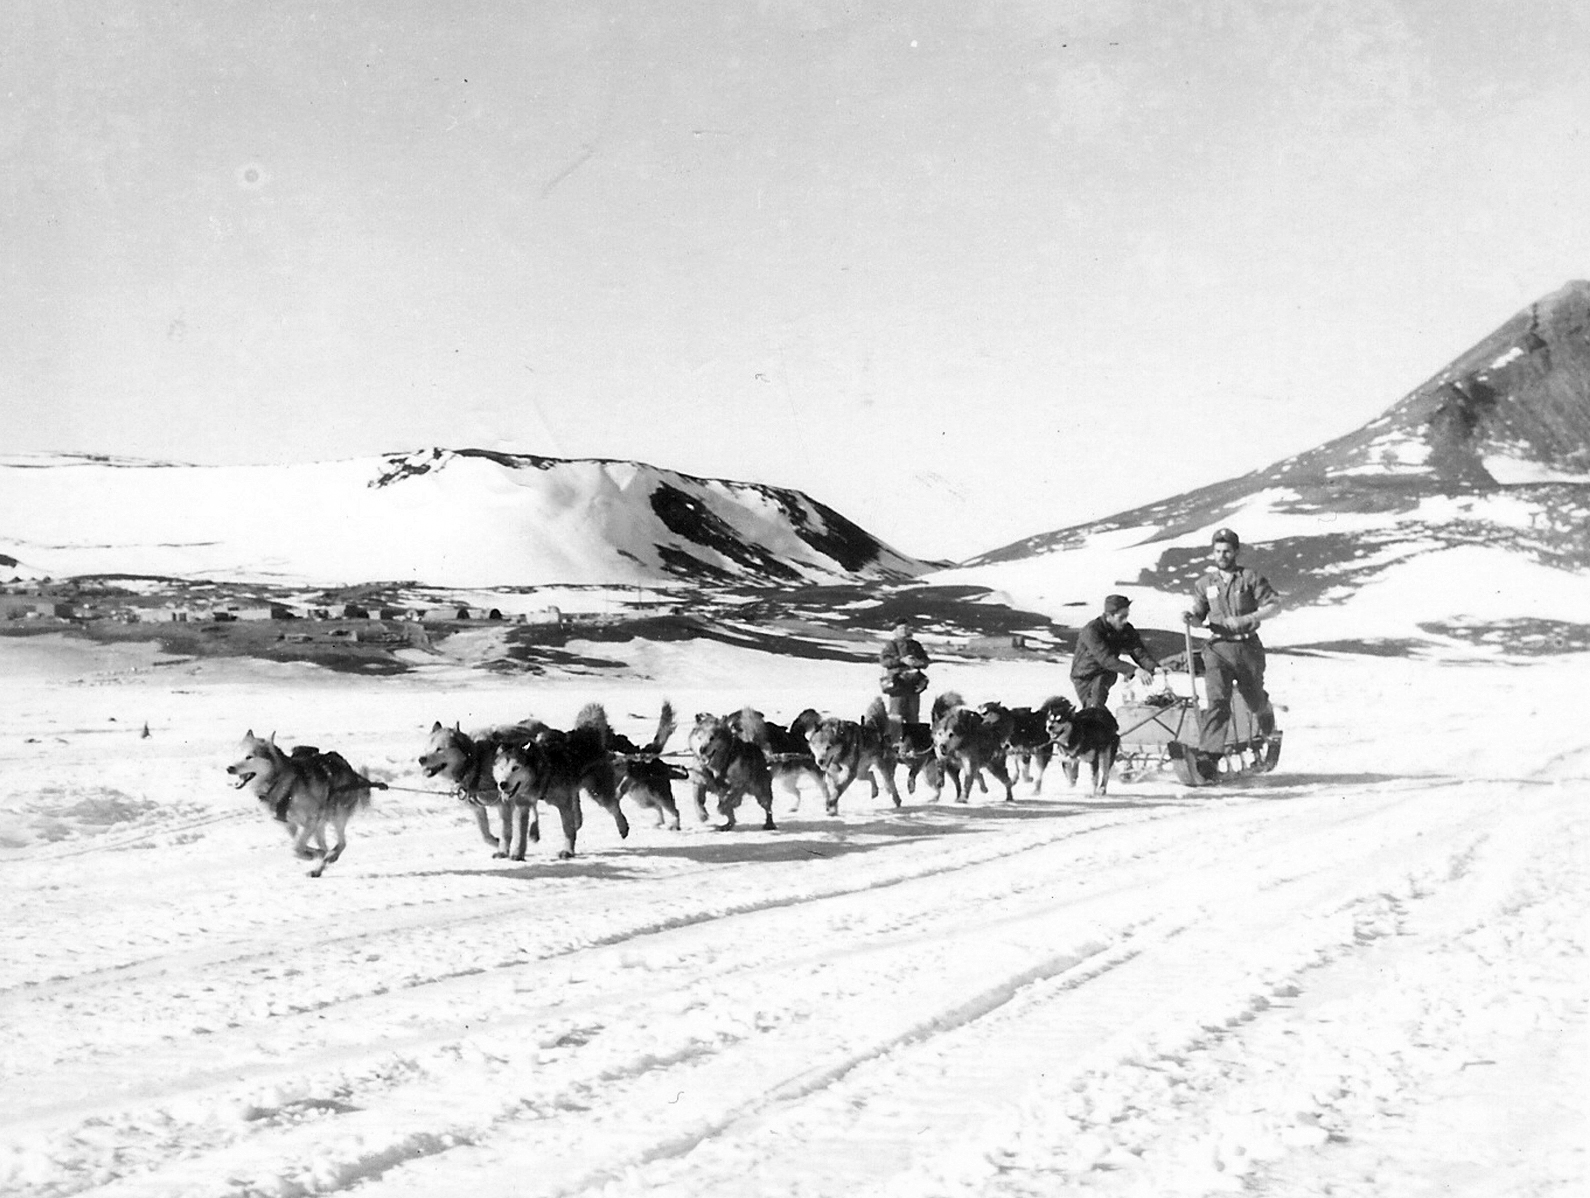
(454, 518)
(1465, 505)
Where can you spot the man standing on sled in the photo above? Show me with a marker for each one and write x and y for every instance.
(1231, 600)
(1107, 646)
(902, 660)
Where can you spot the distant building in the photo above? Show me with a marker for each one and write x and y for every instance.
(353, 611)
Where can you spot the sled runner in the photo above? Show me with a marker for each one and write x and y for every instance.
(1163, 730)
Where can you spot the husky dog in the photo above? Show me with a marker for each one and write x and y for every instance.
(556, 768)
(730, 762)
(968, 741)
(642, 774)
(1029, 748)
(850, 749)
(1091, 734)
(914, 750)
(789, 755)
(304, 789)
(465, 760)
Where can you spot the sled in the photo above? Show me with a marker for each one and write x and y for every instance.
(1163, 731)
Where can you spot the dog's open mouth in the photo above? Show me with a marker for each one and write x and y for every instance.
(244, 777)
(432, 770)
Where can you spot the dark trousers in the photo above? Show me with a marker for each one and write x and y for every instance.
(1227, 663)
(1093, 690)
(905, 709)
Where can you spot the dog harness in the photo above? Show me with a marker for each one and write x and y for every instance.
(470, 787)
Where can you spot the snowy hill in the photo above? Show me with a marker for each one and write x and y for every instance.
(1462, 512)
(457, 518)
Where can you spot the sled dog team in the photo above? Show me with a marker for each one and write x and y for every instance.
(517, 767)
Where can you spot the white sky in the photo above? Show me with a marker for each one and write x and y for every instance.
(965, 272)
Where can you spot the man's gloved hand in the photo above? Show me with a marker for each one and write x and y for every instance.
(1188, 618)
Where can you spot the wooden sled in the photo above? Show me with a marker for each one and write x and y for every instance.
(1156, 735)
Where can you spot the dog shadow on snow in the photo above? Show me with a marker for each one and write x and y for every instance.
(801, 837)
(596, 867)
(804, 838)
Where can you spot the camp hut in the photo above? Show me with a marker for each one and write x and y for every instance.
(353, 611)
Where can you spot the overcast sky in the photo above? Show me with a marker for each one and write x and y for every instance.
(964, 271)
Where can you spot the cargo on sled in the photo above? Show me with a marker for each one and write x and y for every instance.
(1161, 729)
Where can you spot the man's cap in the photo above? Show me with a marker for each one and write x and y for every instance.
(1115, 603)
(1227, 535)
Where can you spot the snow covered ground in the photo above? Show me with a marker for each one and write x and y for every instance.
(1361, 975)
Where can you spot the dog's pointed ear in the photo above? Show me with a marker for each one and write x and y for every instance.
(249, 735)
(272, 737)
(437, 726)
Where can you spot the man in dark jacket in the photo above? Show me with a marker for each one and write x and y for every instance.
(1231, 600)
(1106, 647)
(902, 661)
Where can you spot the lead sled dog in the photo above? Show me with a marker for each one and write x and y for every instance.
(306, 790)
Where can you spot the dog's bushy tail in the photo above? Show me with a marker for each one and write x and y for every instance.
(753, 729)
(593, 716)
(665, 728)
(946, 701)
(877, 715)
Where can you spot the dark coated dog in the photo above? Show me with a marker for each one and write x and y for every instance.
(914, 750)
(643, 776)
(1029, 748)
(969, 740)
(731, 763)
(788, 752)
(1089, 734)
(557, 768)
(849, 749)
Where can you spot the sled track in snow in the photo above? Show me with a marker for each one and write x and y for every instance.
(882, 1015)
